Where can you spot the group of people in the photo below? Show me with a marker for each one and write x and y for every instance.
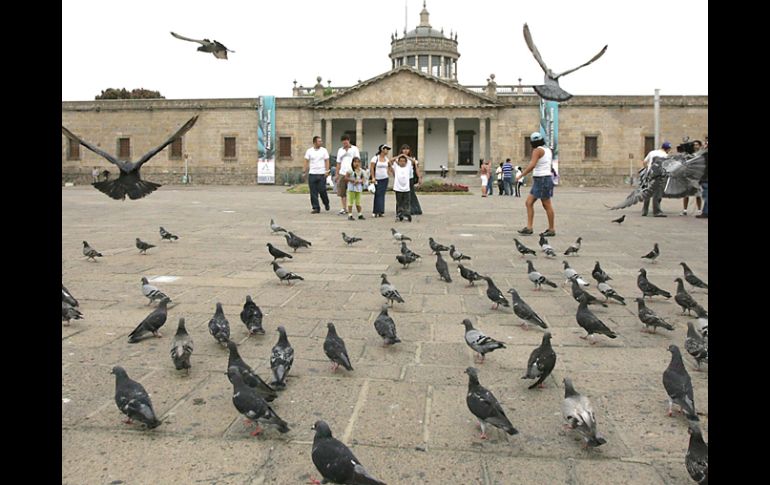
(505, 175)
(350, 179)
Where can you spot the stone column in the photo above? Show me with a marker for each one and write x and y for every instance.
(430, 64)
(360, 136)
(316, 131)
(328, 143)
(452, 158)
(421, 141)
(483, 138)
(389, 136)
(494, 146)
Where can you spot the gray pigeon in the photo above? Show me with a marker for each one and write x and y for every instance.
(277, 253)
(678, 385)
(69, 312)
(524, 312)
(275, 227)
(164, 234)
(251, 316)
(406, 259)
(579, 415)
(143, 246)
(522, 249)
(408, 252)
(494, 294)
(577, 291)
(335, 350)
(335, 461)
(389, 291)
(697, 458)
(696, 345)
(648, 289)
(67, 297)
(479, 342)
(181, 347)
(599, 275)
(684, 299)
(442, 268)
(248, 375)
(570, 274)
(219, 327)
(253, 407)
(457, 255)
(468, 274)
(588, 321)
(90, 253)
(652, 255)
(281, 359)
(152, 292)
(285, 275)
(436, 247)
(296, 242)
(609, 292)
(546, 248)
(536, 278)
(574, 247)
(649, 318)
(386, 327)
(151, 323)
(215, 47)
(350, 239)
(132, 400)
(484, 405)
(398, 236)
(690, 277)
(541, 362)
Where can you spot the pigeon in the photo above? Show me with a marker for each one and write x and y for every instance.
(275, 227)
(484, 405)
(678, 385)
(181, 347)
(648, 289)
(151, 292)
(253, 407)
(281, 359)
(608, 293)
(683, 299)
(697, 458)
(524, 250)
(285, 275)
(692, 279)
(90, 253)
(457, 255)
(524, 312)
(436, 247)
(408, 252)
(67, 297)
(129, 181)
(546, 248)
(132, 400)
(389, 291)
(386, 327)
(620, 219)
(578, 414)
(551, 90)
(398, 236)
(574, 247)
(248, 375)
(442, 268)
(468, 274)
(335, 461)
(251, 316)
(599, 275)
(494, 294)
(69, 312)
(650, 319)
(406, 259)
(219, 327)
(164, 234)
(350, 239)
(703, 321)
(541, 362)
(216, 48)
(480, 342)
(588, 321)
(537, 278)
(277, 253)
(334, 347)
(151, 323)
(295, 242)
(652, 255)
(696, 345)
(143, 246)
(578, 292)
(571, 274)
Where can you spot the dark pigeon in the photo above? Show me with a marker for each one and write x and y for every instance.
(216, 48)
(650, 319)
(442, 268)
(219, 327)
(350, 239)
(608, 292)
(281, 359)
(406, 259)
(541, 362)
(494, 294)
(253, 407)
(151, 323)
(690, 277)
(468, 274)
(251, 316)
(143, 246)
(152, 292)
(285, 275)
(247, 374)
(90, 253)
(579, 415)
(181, 347)
(389, 291)
(574, 247)
(696, 345)
(436, 247)
(599, 275)
(457, 255)
(67, 297)
(479, 342)
(697, 458)
(536, 278)
(524, 312)
(484, 405)
(132, 400)
(684, 299)
(678, 385)
(301, 242)
(69, 312)
(386, 327)
(648, 289)
(652, 255)
(277, 253)
(523, 250)
(577, 292)
(293, 242)
(620, 219)
(335, 461)
(164, 234)
(335, 350)
(588, 321)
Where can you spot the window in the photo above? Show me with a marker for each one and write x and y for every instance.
(410, 60)
(465, 148)
(124, 148)
(423, 63)
(284, 147)
(436, 66)
(591, 147)
(649, 145)
(73, 149)
(176, 149)
(527, 149)
(229, 147)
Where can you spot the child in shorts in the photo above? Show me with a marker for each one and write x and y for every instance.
(355, 179)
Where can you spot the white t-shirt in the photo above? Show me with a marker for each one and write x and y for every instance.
(380, 167)
(543, 166)
(401, 177)
(316, 160)
(655, 153)
(345, 158)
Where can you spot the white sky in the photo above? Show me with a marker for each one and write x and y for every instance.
(652, 44)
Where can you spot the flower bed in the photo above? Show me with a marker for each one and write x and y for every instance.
(437, 186)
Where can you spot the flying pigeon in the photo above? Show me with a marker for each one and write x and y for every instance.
(132, 400)
(678, 385)
(468, 274)
(386, 327)
(608, 292)
(406, 259)
(588, 321)
(536, 278)
(524, 250)
(277, 253)
(389, 291)
(398, 236)
(541, 362)
(579, 415)
(652, 255)
(551, 90)
(248, 375)
(181, 347)
(285, 275)
(219, 327)
(650, 319)
(295, 242)
(151, 292)
(690, 277)
(620, 219)
(457, 255)
(143, 246)
(335, 350)
(546, 248)
(67, 297)
(281, 359)
(216, 48)
(484, 405)
(435, 247)
(251, 316)
(164, 234)
(350, 239)
(494, 294)
(574, 247)
(335, 461)
(480, 342)
(697, 458)
(570, 274)
(69, 312)
(253, 407)
(696, 345)
(151, 323)
(578, 292)
(275, 227)
(599, 275)
(648, 289)
(442, 268)
(683, 299)
(524, 312)
(90, 253)
(129, 181)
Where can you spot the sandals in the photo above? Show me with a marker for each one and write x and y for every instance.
(548, 233)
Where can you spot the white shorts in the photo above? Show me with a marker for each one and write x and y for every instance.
(484, 180)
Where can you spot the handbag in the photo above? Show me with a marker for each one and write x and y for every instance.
(371, 188)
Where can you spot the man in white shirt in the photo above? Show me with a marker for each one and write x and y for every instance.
(657, 194)
(317, 168)
(344, 162)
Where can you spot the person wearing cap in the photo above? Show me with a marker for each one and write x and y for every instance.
(345, 156)
(542, 185)
(657, 196)
(378, 175)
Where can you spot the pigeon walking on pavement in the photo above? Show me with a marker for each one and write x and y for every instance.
(398, 236)
(219, 327)
(608, 292)
(578, 291)
(620, 219)
(277, 253)
(436, 247)
(524, 312)
(408, 252)
(590, 323)
(494, 294)
(386, 327)
(479, 342)
(696, 345)
(181, 347)
(151, 323)
(684, 299)
(546, 248)
(457, 255)
(251, 378)
(523, 250)
(389, 291)
(579, 415)
(570, 274)
(152, 292)
(334, 348)
(484, 405)
(678, 385)
(215, 47)
(599, 275)
(251, 316)
(69, 312)
(469, 274)
(574, 247)
(652, 255)
(281, 359)
(284, 274)
(276, 228)
(536, 278)
(67, 297)
(252, 406)
(541, 362)
(650, 319)
(143, 246)
(648, 289)
(164, 234)
(696, 460)
(295, 242)
(335, 461)
(90, 253)
(406, 259)
(442, 268)
(690, 277)
(350, 239)
(132, 399)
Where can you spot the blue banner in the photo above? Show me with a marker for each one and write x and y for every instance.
(266, 140)
(549, 128)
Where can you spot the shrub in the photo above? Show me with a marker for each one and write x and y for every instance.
(438, 186)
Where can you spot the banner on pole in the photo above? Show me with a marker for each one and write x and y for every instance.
(549, 128)
(266, 140)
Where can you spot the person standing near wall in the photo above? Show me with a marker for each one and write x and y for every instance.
(484, 174)
(345, 156)
(508, 177)
(542, 185)
(317, 168)
(415, 179)
(378, 175)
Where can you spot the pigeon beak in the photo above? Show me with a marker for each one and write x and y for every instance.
(312, 427)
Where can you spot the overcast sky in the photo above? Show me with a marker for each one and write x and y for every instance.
(652, 44)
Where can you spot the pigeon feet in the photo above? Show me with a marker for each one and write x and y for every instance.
(128, 421)
(483, 436)
(257, 431)
(313, 481)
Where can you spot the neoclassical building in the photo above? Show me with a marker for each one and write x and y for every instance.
(418, 101)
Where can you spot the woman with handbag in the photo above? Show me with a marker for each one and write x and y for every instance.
(378, 175)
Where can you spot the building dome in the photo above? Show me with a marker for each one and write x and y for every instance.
(421, 31)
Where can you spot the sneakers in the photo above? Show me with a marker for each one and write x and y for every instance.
(374, 214)
(360, 217)
(683, 213)
(350, 217)
(548, 233)
(342, 211)
(315, 211)
(326, 207)
(525, 231)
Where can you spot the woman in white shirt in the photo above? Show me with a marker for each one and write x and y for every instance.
(542, 185)
(378, 174)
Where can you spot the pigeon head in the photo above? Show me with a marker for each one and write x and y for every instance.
(248, 299)
(232, 346)
(473, 375)
(384, 308)
(656, 246)
(119, 371)
(684, 265)
(546, 339)
(639, 300)
(219, 308)
(164, 301)
(566, 264)
(181, 323)
(568, 389)
(514, 293)
(468, 325)
(85, 244)
(579, 240)
(643, 272)
(582, 298)
(144, 281)
(332, 329)
(530, 266)
(281, 330)
(393, 231)
(275, 265)
(674, 349)
(384, 277)
(269, 245)
(138, 240)
(322, 429)
(694, 429)
(678, 280)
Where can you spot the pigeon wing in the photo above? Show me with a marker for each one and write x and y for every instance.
(179, 133)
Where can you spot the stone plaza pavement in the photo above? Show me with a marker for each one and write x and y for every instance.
(402, 410)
